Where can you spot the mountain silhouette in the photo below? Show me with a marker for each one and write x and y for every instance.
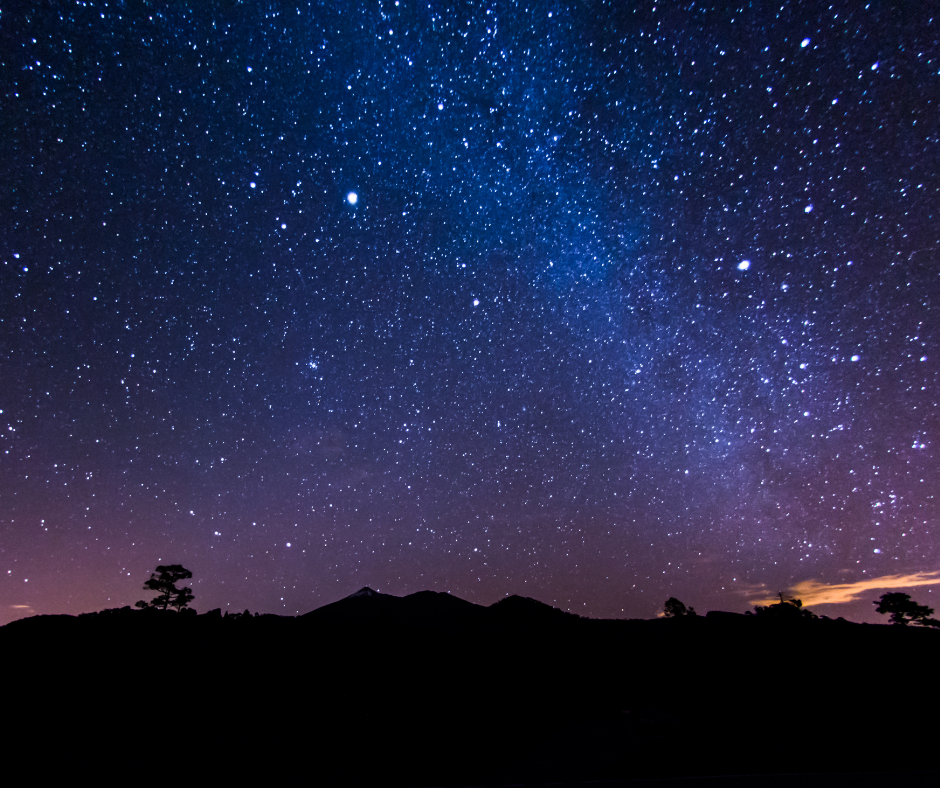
(528, 610)
(433, 607)
(420, 607)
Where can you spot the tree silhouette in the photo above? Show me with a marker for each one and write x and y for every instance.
(183, 597)
(905, 610)
(164, 581)
(675, 609)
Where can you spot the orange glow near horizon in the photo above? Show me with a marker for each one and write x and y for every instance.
(813, 592)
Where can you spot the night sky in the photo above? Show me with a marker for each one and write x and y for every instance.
(594, 302)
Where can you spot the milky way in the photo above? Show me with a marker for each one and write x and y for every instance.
(594, 302)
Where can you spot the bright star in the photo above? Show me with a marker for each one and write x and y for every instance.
(352, 198)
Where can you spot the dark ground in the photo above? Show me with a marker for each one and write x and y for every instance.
(430, 690)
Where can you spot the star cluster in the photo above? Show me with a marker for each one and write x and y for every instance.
(595, 302)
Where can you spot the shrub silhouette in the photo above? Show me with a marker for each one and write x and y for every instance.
(787, 609)
(164, 581)
(675, 609)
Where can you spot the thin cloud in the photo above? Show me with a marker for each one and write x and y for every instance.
(812, 592)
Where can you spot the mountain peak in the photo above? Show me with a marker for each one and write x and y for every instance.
(364, 591)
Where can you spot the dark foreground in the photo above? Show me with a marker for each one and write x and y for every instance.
(431, 690)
